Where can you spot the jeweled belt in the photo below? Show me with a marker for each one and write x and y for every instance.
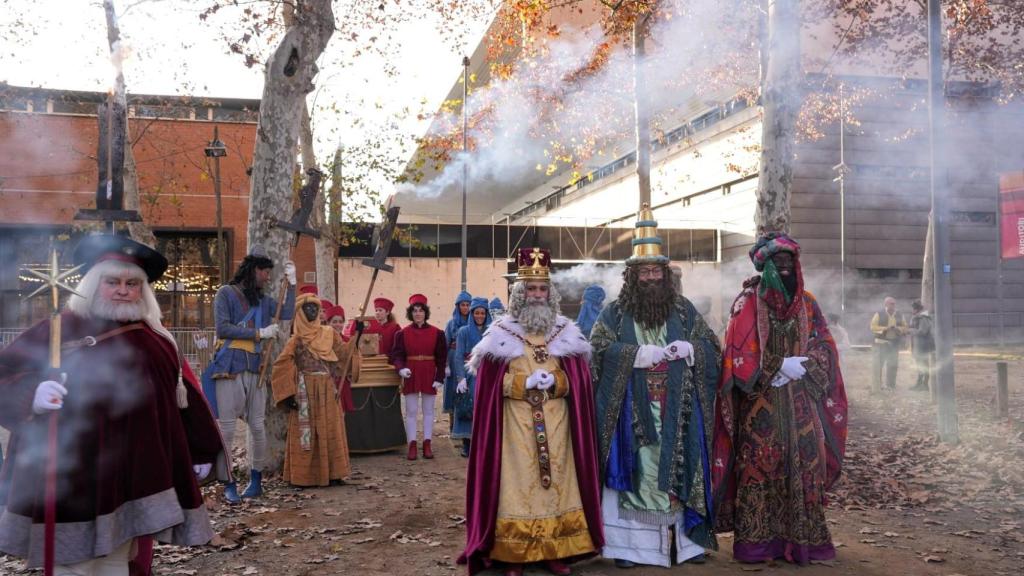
(420, 358)
(536, 398)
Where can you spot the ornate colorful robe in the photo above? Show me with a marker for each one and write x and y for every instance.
(317, 449)
(531, 494)
(777, 450)
(654, 432)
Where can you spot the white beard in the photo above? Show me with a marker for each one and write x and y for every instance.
(118, 311)
(537, 318)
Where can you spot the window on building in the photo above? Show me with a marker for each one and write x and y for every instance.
(186, 291)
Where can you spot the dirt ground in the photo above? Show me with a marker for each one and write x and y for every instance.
(907, 504)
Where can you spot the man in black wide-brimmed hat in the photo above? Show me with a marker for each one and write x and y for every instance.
(133, 430)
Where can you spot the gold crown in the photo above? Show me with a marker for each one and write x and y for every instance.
(534, 264)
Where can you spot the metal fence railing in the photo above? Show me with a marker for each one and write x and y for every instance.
(195, 343)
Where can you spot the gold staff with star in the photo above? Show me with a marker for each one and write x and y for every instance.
(53, 280)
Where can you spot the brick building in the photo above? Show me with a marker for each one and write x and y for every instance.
(48, 147)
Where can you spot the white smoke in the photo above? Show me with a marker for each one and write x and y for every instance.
(573, 281)
(547, 108)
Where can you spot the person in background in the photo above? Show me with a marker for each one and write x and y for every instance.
(335, 316)
(325, 307)
(922, 345)
(888, 327)
(839, 334)
(460, 318)
(590, 308)
(496, 308)
(467, 337)
(419, 357)
(245, 320)
(336, 320)
(383, 323)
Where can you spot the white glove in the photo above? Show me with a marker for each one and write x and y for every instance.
(540, 379)
(463, 386)
(50, 395)
(201, 342)
(289, 272)
(438, 385)
(793, 367)
(447, 371)
(680, 349)
(201, 470)
(405, 373)
(780, 380)
(648, 356)
(269, 331)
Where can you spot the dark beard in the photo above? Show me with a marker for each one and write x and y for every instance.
(789, 282)
(650, 302)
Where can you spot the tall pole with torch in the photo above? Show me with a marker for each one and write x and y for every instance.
(53, 280)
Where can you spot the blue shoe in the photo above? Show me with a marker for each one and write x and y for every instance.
(231, 493)
(255, 487)
(620, 563)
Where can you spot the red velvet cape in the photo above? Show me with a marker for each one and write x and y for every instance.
(483, 476)
(121, 435)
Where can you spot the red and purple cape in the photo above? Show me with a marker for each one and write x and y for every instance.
(483, 477)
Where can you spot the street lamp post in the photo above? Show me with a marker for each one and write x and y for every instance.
(215, 149)
(465, 160)
(843, 170)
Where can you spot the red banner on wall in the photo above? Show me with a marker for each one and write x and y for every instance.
(1011, 206)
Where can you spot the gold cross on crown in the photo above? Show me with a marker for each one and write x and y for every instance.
(536, 256)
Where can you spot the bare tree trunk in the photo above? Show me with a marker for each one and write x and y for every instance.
(139, 231)
(927, 270)
(290, 71)
(642, 113)
(329, 214)
(781, 99)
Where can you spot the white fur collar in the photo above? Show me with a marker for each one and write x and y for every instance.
(499, 343)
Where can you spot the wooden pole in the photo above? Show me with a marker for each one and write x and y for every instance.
(1002, 407)
(265, 359)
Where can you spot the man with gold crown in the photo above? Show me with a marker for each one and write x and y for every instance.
(303, 381)
(531, 489)
(655, 367)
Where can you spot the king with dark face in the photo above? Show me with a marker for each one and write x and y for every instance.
(781, 386)
(311, 310)
(785, 264)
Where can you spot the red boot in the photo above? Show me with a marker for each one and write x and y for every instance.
(412, 450)
(427, 452)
